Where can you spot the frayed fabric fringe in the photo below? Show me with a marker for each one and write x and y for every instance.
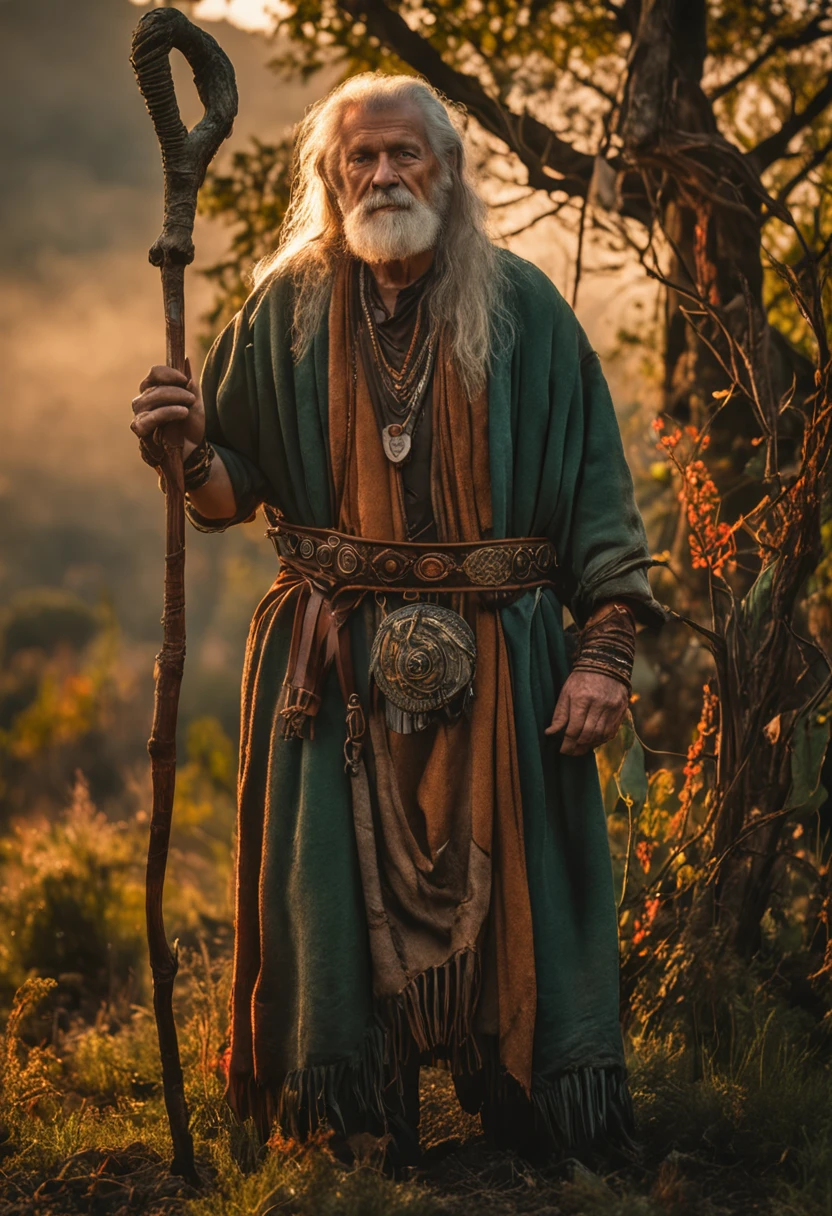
(581, 1112)
(435, 1011)
(327, 1093)
(584, 1108)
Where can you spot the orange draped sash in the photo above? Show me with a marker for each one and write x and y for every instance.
(442, 845)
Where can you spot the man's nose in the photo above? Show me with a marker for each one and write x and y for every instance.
(385, 175)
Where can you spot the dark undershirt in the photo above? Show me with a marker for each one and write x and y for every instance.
(395, 333)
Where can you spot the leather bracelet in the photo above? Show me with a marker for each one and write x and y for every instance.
(602, 669)
(197, 467)
(607, 646)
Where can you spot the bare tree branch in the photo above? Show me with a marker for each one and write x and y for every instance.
(771, 149)
(545, 215)
(812, 32)
(812, 163)
(591, 84)
(511, 202)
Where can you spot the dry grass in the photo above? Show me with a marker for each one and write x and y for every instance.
(83, 1127)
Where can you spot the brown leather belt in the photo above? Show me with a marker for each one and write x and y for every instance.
(336, 560)
(334, 571)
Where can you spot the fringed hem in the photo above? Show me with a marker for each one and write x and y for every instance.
(432, 1014)
(584, 1108)
(581, 1112)
(435, 1011)
(332, 1093)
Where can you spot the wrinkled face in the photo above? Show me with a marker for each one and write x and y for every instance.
(392, 189)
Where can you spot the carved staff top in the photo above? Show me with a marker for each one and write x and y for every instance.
(185, 154)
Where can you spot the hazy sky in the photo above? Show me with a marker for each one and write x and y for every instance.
(80, 204)
(247, 14)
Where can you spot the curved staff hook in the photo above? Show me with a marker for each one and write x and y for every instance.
(185, 157)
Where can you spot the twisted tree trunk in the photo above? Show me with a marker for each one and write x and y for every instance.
(709, 206)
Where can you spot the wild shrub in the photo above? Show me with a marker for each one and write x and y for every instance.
(28, 1075)
(72, 901)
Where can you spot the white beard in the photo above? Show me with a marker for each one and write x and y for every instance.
(388, 236)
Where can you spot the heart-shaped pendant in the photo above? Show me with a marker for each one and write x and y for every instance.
(396, 443)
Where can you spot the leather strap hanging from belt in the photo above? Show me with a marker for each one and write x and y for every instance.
(320, 637)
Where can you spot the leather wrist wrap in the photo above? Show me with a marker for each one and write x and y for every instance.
(608, 645)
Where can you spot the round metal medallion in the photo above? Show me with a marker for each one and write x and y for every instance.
(522, 564)
(433, 566)
(423, 656)
(543, 557)
(347, 560)
(390, 565)
(307, 548)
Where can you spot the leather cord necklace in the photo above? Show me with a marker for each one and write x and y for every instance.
(405, 391)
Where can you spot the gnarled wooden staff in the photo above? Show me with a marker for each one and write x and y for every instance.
(185, 157)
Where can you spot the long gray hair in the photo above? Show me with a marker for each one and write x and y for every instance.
(467, 295)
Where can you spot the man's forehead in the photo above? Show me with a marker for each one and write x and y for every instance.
(382, 124)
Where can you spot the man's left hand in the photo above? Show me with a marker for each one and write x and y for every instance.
(592, 707)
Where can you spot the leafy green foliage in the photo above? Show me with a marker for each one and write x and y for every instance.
(203, 818)
(252, 196)
(516, 49)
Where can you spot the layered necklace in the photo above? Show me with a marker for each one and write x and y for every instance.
(405, 389)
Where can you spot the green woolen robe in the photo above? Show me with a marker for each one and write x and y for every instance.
(557, 470)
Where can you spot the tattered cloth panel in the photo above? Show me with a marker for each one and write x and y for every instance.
(438, 813)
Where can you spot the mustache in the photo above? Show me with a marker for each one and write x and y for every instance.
(396, 196)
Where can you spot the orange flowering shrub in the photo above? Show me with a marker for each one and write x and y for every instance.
(660, 831)
(707, 731)
(641, 925)
(712, 542)
(644, 853)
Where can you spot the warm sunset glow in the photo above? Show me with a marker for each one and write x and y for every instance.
(246, 14)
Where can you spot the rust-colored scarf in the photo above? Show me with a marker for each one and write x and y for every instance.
(439, 824)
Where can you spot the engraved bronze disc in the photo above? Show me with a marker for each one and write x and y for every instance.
(423, 656)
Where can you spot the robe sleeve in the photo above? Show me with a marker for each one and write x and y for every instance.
(232, 424)
(607, 556)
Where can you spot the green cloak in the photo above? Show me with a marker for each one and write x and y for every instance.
(303, 1019)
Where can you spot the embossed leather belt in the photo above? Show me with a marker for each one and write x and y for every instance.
(336, 560)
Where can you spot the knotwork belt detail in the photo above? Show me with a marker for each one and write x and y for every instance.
(337, 560)
(332, 572)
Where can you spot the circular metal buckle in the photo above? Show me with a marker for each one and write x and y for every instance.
(423, 657)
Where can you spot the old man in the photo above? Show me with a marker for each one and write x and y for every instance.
(423, 872)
